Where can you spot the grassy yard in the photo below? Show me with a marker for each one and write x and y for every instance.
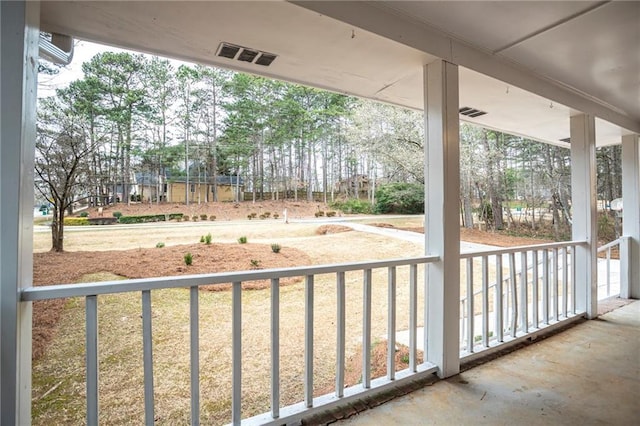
(58, 377)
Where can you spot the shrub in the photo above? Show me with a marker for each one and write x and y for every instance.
(275, 248)
(262, 216)
(331, 213)
(402, 197)
(149, 218)
(194, 218)
(319, 213)
(160, 245)
(84, 214)
(255, 263)
(202, 238)
(179, 219)
(253, 215)
(242, 240)
(76, 221)
(266, 214)
(249, 217)
(204, 217)
(117, 214)
(352, 205)
(188, 259)
(212, 217)
(276, 215)
(207, 238)
(185, 218)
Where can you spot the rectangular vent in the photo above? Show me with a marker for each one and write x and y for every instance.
(245, 54)
(265, 59)
(228, 50)
(567, 140)
(471, 112)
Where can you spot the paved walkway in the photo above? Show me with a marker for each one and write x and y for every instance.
(587, 375)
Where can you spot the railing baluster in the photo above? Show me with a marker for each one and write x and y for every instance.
(545, 286)
(308, 342)
(413, 316)
(573, 279)
(514, 294)
(340, 334)
(498, 301)
(524, 293)
(366, 330)
(275, 348)
(236, 353)
(391, 327)
(485, 301)
(470, 318)
(147, 341)
(608, 271)
(194, 354)
(534, 289)
(565, 283)
(91, 307)
(554, 271)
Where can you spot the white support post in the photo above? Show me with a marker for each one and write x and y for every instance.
(583, 199)
(19, 27)
(442, 223)
(630, 287)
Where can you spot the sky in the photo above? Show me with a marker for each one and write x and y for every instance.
(83, 52)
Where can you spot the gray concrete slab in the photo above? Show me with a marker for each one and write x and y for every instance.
(587, 375)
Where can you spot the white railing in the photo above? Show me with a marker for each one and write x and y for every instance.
(610, 270)
(277, 414)
(515, 291)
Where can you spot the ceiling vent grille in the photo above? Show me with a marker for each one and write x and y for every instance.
(245, 54)
(471, 112)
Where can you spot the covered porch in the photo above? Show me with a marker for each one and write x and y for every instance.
(530, 70)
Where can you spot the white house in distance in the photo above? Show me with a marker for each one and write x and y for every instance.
(563, 73)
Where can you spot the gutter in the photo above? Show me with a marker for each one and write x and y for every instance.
(59, 50)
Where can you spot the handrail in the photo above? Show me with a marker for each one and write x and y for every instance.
(518, 249)
(612, 244)
(109, 287)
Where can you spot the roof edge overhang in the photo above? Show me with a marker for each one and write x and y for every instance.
(389, 24)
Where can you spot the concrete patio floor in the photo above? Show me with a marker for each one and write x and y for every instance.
(586, 375)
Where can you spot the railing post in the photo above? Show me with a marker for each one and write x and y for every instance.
(442, 223)
(19, 26)
(625, 270)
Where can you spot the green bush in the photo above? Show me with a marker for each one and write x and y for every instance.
(402, 198)
(194, 218)
(255, 263)
(320, 213)
(84, 214)
(352, 205)
(276, 215)
(148, 218)
(117, 214)
(76, 221)
(242, 240)
(188, 259)
(331, 213)
(204, 217)
(202, 238)
(160, 245)
(275, 248)
(207, 238)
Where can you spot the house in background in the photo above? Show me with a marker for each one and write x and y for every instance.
(230, 188)
(148, 187)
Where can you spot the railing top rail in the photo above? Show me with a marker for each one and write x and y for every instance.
(613, 243)
(109, 287)
(518, 249)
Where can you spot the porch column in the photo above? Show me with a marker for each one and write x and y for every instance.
(631, 213)
(442, 218)
(583, 207)
(19, 29)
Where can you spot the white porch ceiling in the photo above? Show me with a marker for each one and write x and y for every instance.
(530, 65)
